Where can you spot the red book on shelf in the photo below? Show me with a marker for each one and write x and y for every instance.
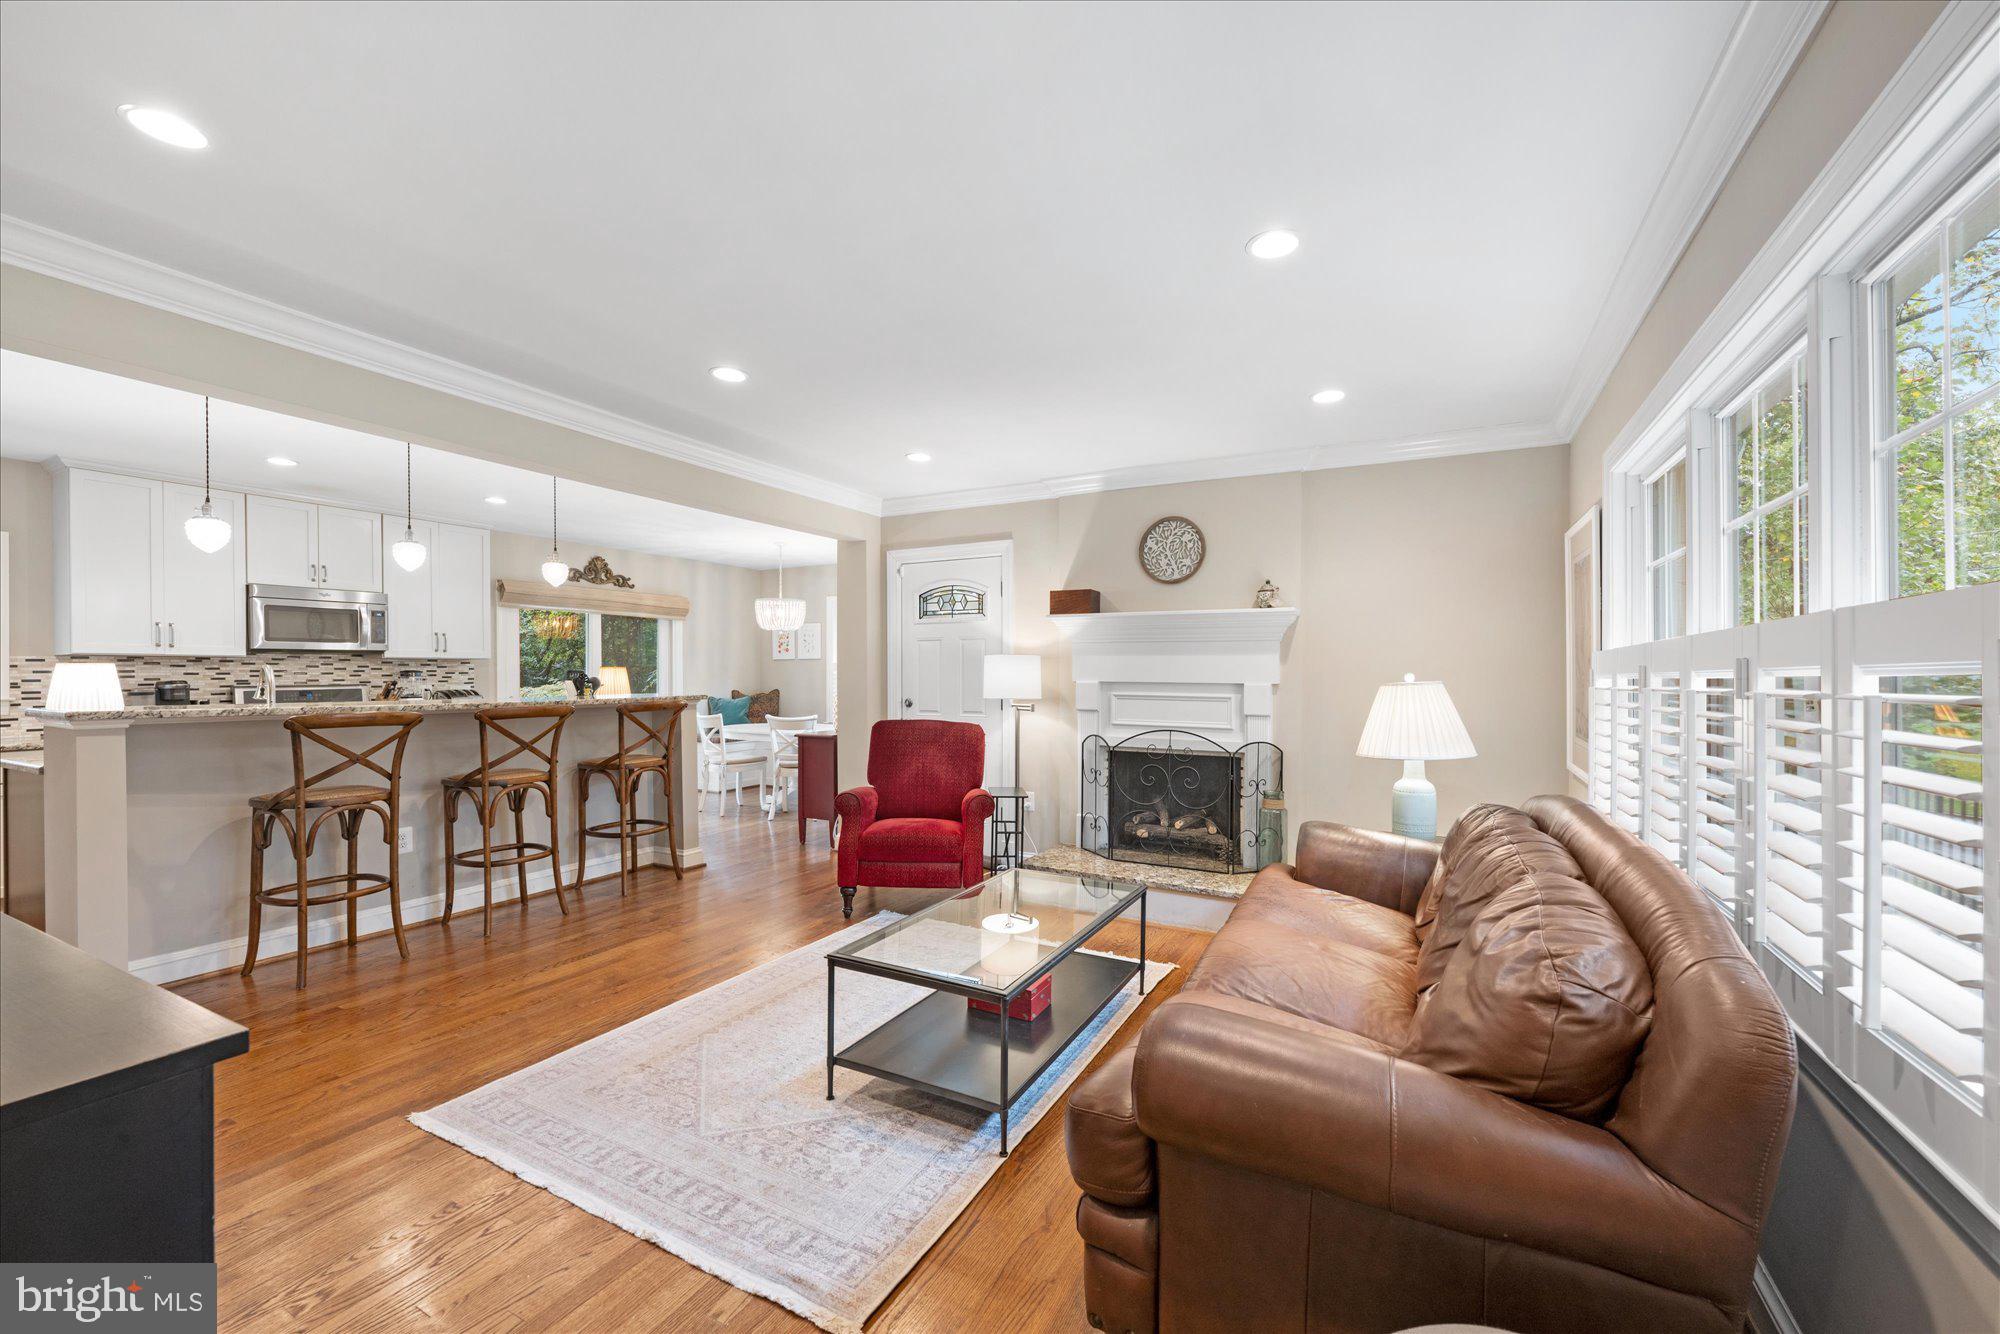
(1030, 1004)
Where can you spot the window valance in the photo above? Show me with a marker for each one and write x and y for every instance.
(584, 597)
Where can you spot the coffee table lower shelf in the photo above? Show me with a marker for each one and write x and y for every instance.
(946, 1048)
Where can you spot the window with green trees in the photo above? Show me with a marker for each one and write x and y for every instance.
(1938, 427)
(556, 644)
(1769, 487)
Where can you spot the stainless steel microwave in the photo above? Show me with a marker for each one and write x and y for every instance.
(328, 620)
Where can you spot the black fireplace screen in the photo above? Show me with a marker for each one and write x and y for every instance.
(1173, 798)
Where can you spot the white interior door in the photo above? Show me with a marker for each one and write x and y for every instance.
(951, 614)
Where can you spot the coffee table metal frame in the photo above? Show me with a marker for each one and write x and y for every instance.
(946, 1050)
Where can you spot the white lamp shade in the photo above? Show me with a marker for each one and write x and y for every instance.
(614, 681)
(1013, 676)
(208, 530)
(780, 613)
(409, 553)
(84, 687)
(555, 572)
(1414, 720)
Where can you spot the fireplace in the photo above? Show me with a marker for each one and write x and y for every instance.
(1173, 798)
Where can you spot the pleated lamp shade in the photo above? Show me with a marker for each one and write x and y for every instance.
(1414, 720)
(614, 681)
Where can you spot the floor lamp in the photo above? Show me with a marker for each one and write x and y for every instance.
(1016, 678)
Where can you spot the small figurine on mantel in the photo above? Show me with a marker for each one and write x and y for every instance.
(1267, 596)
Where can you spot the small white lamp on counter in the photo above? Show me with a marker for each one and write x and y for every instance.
(1414, 721)
(1016, 678)
(613, 681)
(84, 687)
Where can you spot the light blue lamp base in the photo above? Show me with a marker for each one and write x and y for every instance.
(1414, 812)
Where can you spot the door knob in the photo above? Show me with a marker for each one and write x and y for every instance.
(909, 704)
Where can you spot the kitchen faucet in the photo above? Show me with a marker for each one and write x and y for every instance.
(270, 684)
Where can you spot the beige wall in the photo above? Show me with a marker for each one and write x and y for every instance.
(1845, 66)
(1446, 567)
(801, 683)
(27, 516)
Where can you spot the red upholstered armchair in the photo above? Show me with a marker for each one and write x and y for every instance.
(921, 821)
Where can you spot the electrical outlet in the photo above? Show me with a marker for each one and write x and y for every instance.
(1029, 803)
(406, 839)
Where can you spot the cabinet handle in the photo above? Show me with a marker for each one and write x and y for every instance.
(171, 638)
(446, 636)
(156, 634)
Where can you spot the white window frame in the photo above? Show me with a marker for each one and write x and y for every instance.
(1794, 360)
(1651, 563)
(1878, 395)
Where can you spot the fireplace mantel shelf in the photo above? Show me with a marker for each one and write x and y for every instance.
(1237, 625)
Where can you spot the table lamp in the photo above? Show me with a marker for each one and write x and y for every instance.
(1414, 721)
(1015, 677)
(84, 687)
(614, 681)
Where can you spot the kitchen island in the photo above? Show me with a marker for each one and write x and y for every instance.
(146, 824)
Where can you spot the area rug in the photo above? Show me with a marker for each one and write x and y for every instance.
(704, 1128)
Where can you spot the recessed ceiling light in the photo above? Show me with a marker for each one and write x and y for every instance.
(1273, 245)
(1325, 396)
(496, 500)
(277, 461)
(917, 456)
(728, 374)
(164, 126)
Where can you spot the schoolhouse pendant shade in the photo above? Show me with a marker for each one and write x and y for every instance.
(409, 553)
(780, 612)
(207, 530)
(1414, 720)
(555, 570)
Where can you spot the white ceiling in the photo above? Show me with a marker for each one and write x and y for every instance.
(49, 409)
(1010, 235)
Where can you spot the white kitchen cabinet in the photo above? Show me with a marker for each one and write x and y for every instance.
(281, 541)
(350, 549)
(296, 543)
(444, 608)
(128, 581)
(201, 592)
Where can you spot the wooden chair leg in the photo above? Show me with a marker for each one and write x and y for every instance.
(259, 832)
(667, 807)
(628, 847)
(389, 836)
(299, 851)
(350, 830)
(517, 798)
(548, 791)
(450, 850)
(489, 806)
(582, 839)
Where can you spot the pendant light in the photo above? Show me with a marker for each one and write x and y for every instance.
(781, 612)
(409, 553)
(555, 570)
(205, 528)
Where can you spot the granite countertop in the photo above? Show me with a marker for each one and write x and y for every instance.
(1068, 859)
(201, 713)
(20, 741)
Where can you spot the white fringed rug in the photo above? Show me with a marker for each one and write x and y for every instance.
(704, 1128)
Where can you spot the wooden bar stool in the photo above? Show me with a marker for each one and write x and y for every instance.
(348, 803)
(640, 724)
(495, 783)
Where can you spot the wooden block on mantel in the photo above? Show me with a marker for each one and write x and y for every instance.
(1075, 601)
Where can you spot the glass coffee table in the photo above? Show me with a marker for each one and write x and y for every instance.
(1010, 946)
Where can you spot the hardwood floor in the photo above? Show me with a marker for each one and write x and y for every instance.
(335, 1213)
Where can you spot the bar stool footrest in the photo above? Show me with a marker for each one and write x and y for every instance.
(524, 852)
(364, 882)
(638, 827)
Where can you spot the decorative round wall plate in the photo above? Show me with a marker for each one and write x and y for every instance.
(1171, 550)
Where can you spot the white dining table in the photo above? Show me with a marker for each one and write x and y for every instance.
(755, 739)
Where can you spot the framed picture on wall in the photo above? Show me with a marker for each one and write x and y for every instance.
(809, 641)
(784, 645)
(1583, 617)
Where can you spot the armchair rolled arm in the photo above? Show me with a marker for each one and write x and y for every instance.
(856, 808)
(1340, 1114)
(1385, 869)
(974, 809)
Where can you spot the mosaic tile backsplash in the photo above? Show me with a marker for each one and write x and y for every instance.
(210, 680)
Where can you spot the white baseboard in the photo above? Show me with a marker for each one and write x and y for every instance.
(1773, 1301)
(280, 936)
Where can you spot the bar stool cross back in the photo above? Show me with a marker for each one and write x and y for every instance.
(496, 783)
(347, 803)
(625, 770)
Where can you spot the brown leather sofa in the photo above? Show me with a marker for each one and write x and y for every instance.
(1529, 1080)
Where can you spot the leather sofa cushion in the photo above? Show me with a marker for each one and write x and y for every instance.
(1279, 897)
(1109, 1156)
(1475, 824)
(1319, 977)
(1498, 854)
(1547, 1000)
(909, 840)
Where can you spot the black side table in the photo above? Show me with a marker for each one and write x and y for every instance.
(1010, 827)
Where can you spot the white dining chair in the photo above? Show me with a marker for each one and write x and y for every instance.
(781, 766)
(720, 762)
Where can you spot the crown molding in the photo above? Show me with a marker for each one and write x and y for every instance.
(1763, 46)
(1445, 444)
(54, 254)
